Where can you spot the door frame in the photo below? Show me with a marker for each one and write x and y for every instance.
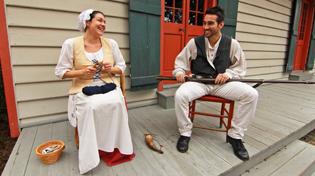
(6, 69)
(161, 83)
(307, 37)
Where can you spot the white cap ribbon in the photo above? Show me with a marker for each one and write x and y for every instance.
(83, 17)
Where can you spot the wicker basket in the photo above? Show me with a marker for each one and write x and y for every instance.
(51, 156)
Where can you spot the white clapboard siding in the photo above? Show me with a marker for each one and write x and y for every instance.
(43, 55)
(247, 46)
(42, 107)
(42, 90)
(271, 6)
(114, 8)
(263, 32)
(248, 18)
(52, 19)
(264, 70)
(38, 73)
(36, 32)
(264, 55)
(269, 76)
(284, 3)
(258, 38)
(254, 9)
(23, 36)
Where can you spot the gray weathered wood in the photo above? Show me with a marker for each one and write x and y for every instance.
(284, 114)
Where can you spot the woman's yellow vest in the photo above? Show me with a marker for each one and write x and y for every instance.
(80, 61)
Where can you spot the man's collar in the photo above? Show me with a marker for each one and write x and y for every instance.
(216, 44)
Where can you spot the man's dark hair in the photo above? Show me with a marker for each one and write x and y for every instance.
(216, 11)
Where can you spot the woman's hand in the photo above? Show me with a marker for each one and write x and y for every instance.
(88, 71)
(107, 67)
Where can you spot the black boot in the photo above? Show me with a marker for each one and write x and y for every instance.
(238, 148)
(182, 144)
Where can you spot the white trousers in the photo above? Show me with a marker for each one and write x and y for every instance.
(102, 122)
(244, 94)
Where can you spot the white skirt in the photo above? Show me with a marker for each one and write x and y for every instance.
(102, 122)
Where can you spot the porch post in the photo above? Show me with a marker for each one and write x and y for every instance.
(7, 74)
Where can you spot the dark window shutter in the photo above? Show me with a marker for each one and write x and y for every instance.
(144, 38)
(230, 10)
(311, 53)
(293, 35)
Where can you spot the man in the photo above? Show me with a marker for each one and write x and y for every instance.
(214, 55)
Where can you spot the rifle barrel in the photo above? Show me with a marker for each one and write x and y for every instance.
(259, 81)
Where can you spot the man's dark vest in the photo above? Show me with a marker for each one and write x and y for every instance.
(200, 66)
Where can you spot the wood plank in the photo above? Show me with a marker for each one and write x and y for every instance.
(264, 70)
(270, 76)
(250, 55)
(21, 36)
(283, 9)
(162, 161)
(22, 155)
(109, 8)
(39, 73)
(265, 63)
(24, 74)
(265, 13)
(285, 3)
(255, 38)
(299, 164)
(35, 167)
(276, 161)
(43, 90)
(44, 55)
(250, 46)
(242, 16)
(14, 154)
(194, 152)
(67, 164)
(261, 135)
(45, 119)
(42, 107)
(43, 18)
(35, 55)
(251, 28)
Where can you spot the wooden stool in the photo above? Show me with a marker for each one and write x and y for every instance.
(224, 113)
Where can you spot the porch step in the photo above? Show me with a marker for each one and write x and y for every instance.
(166, 98)
(297, 158)
(301, 75)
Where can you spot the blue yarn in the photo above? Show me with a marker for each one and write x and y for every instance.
(91, 90)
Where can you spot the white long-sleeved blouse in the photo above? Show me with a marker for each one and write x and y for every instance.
(65, 62)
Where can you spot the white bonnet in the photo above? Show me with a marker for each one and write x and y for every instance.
(83, 17)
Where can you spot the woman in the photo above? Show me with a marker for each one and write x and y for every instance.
(101, 119)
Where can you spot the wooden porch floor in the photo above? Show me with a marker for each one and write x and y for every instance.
(284, 113)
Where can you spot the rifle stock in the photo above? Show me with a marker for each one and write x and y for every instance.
(257, 81)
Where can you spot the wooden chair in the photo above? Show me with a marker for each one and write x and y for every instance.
(225, 116)
(123, 90)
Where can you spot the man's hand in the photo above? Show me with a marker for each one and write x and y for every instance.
(180, 77)
(221, 78)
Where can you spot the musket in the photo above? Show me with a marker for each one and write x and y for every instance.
(257, 81)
